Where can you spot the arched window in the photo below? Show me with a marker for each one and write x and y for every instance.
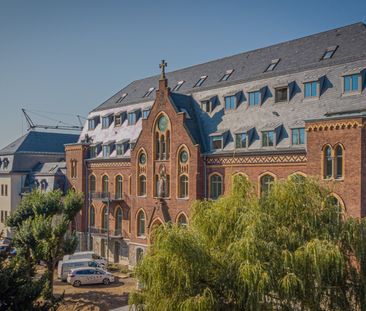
(328, 162)
(141, 224)
(183, 186)
(118, 219)
(339, 162)
(142, 185)
(266, 182)
(119, 184)
(337, 202)
(182, 220)
(105, 181)
(215, 186)
(139, 254)
(92, 216)
(105, 218)
(162, 138)
(92, 184)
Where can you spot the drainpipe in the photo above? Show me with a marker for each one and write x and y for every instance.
(108, 230)
(88, 200)
(205, 175)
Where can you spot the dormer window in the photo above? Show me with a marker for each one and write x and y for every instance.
(106, 151)
(92, 123)
(241, 140)
(230, 102)
(298, 136)
(351, 83)
(329, 52)
(106, 121)
(281, 94)
(217, 142)
(227, 75)
(93, 151)
(121, 147)
(200, 81)
(149, 91)
(132, 118)
(311, 89)
(272, 65)
(178, 85)
(117, 120)
(121, 98)
(145, 113)
(206, 106)
(254, 98)
(268, 138)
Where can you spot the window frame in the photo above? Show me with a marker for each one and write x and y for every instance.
(240, 146)
(217, 138)
(311, 84)
(232, 104)
(299, 130)
(266, 135)
(132, 121)
(226, 75)
(254, 98)
(200, 81)
(351, 90)
(215, 186)
(277, 89)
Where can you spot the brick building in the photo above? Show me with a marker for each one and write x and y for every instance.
(162, 142)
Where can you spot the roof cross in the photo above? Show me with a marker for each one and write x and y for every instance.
(162, 65)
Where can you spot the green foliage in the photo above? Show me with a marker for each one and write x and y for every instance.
(41, 230)
(289, 250)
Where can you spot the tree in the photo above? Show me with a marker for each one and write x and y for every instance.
(18, 291)
(41, 226)
(288, 250)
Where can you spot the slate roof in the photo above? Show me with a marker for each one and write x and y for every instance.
(39, 142)
(50, 168)
(295, 55)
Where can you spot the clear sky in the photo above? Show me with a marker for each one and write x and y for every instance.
(68, 56)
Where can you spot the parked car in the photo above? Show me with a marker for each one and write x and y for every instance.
(89, 255)
(81, 276)
(64, 267)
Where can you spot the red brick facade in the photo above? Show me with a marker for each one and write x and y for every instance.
(350, 133)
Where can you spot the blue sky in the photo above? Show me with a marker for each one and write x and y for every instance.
(67, 57)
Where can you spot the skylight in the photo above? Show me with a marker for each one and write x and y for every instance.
(329, 52)
(121, 98)
(273, 64)
(177, 87)
(227, 75)
(200, 81)
(149, 91)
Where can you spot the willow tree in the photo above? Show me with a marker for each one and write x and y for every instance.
(292, 249)
(41, 226)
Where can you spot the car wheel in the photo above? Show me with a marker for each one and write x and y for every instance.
(106, 281)
(76, 284)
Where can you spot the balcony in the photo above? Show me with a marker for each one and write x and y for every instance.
(105, 196)
(117, 233)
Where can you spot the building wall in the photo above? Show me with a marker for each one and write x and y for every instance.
(280, 162)
(5, 203)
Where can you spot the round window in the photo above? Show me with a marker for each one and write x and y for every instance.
(163, 123)
(142, 158)
(184, 156)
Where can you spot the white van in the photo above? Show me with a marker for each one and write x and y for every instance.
(86, 255)
(64, 267)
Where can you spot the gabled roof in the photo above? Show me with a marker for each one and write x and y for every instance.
(40, 142)
(295, 55)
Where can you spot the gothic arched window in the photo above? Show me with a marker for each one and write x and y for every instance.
(92, 216)
(162, 138)
(119, 184)
(266, 182)
(92, 184)
(141, 223)
(105, 218)
(215, 186)
(118, 219)
(328, 162)
(339, 162)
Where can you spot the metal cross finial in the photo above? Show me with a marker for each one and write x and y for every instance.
(162, 65)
